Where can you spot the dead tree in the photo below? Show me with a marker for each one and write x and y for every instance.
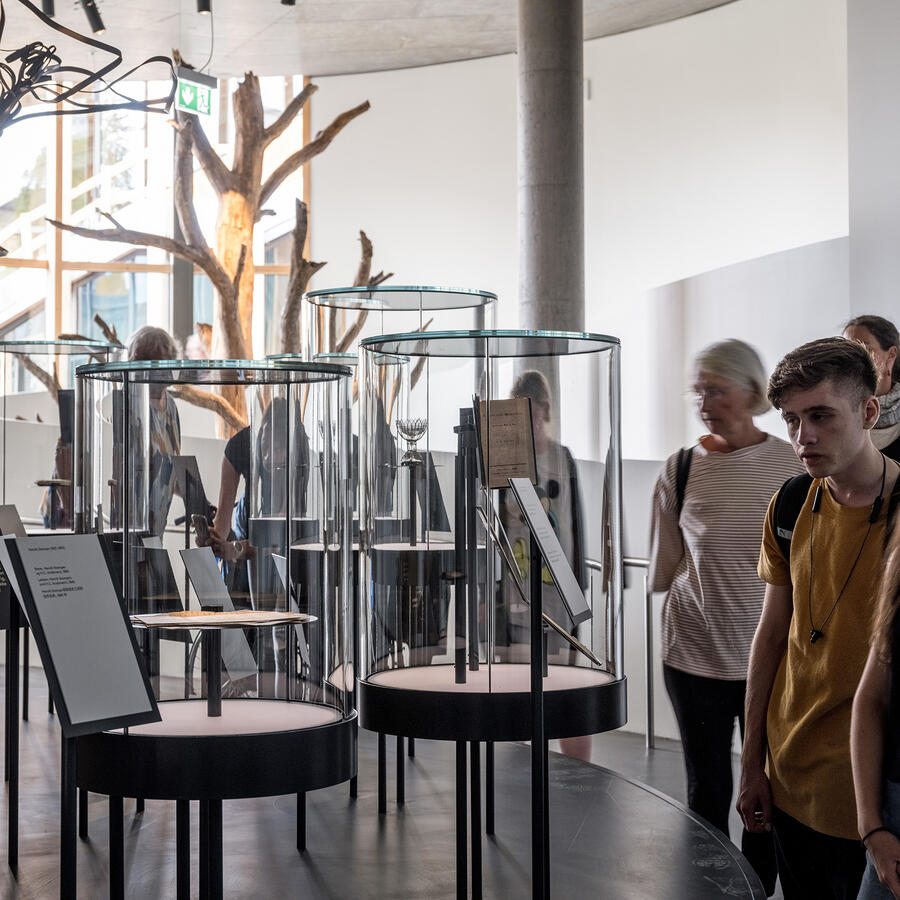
(242, 193)
(242, 197)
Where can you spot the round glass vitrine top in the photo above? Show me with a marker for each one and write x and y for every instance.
(489, 344)
(401, 297)
(73, 347)
(345, 359)
(215, 371)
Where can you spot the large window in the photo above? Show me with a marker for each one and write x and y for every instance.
(120, 162)
(29, 325)
(119, 298)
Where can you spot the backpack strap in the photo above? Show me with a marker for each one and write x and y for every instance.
(893, 504)
(682, 471)
(788, 503)
(790, 500)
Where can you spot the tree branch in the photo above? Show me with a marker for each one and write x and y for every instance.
(312, 149)
(100, 357)
(45, 378)
(221, 281)
(301, 271)
(184, 201)
(353, 331)
(108, 331)
(217, 173)
(375, 280)
(364, 278)
(289, 114)
(364, 269)
(213, 402)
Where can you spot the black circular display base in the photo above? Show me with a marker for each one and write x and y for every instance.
(479, 715)
(224, 767)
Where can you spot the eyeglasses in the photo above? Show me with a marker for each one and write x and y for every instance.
(709, 392)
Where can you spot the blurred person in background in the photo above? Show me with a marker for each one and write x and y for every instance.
(709, 505)
(881, 339)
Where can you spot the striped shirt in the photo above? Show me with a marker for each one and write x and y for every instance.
(707, 561)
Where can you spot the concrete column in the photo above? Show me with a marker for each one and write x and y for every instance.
(873, 72)
(551, 165)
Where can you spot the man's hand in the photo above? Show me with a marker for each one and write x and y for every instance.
(222, 548)
(884, 850)
(754, 802)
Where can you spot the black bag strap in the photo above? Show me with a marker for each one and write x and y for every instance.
(893, 503)
(682, 471)
(788, 503)
(791, 497)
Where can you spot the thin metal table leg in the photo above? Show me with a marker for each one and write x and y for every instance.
(12, 739)
(116, 850)
(6, 707)
(215, 850)
(82, 814)
(475, 781)
(401, 772)
(68, 824)
(183, 849)
(26, 670)
(461, 837)
(301, 821)
(204, 849)
(489, 787)
(382, 774)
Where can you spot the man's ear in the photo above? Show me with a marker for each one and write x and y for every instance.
(871, 412)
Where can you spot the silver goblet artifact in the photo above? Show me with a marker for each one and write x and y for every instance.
(411, 430)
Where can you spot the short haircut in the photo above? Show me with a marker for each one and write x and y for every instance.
(740, 364)
(152, 343)
(835, 359)
(532, 384)
(885, 332)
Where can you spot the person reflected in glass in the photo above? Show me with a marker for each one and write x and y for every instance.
(557, 487)
(163, 431)
(881, 339)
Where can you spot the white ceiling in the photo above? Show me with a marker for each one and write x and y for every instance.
(318, 37)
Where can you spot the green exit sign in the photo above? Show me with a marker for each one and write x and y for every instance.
(196, 92)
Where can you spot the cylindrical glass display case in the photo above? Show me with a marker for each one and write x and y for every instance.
(449, 561)
(37, 381)
(224, 487)
(340, 318)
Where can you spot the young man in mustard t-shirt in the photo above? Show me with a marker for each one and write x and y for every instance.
(812, 640)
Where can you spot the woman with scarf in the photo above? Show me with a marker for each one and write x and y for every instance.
(881, 339)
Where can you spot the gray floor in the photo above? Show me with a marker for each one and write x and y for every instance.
(259, 855)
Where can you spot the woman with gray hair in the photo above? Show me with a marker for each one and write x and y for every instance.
(163, 431)
(709, 506)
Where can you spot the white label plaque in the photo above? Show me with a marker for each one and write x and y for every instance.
(206, 579)
(86, 642)
(551, 549)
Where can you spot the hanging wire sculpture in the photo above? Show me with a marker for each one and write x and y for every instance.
(36, 73)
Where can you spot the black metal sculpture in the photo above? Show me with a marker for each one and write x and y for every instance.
(36, 71)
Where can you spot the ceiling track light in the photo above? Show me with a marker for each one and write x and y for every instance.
(204, 7)
(287, 2)
(93, 16)
(48, 7)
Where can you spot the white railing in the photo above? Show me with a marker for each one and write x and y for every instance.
(26, 235)
(635, 562)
